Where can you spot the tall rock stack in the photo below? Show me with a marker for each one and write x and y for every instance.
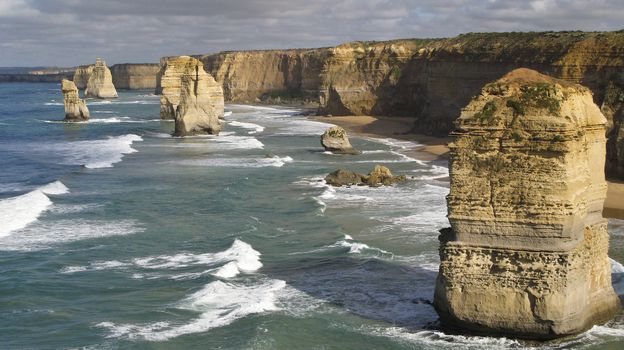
(100, 83)
(169, 83)
(75, 108)
(526, 254)
(200, 104)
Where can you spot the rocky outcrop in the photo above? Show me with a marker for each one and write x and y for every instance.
(134, 76)
(200, 104)
(336, 140)
(82, 75)
(379, 176)
(526, 254)
(169, 83)
(100, 84)
(75, 108)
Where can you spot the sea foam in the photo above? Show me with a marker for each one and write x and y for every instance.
(18, 212)
(218, 303)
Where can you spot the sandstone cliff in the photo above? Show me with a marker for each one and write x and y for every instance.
(248, 76)
(526, 254)
(82, 75)
(200, 101)
(134, 76)
(75, 108)
(100, 84)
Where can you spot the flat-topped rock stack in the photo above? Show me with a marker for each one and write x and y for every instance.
(191, 96)
(100, 84)
(75, 107)
(526, 254)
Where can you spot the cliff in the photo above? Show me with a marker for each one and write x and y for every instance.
(129, 76)
(34, 78)
(82, 75)
(428, 80)
(248, 76)
(134, 76)
(526, 254)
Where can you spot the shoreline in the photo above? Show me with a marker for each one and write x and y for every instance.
(435, 148)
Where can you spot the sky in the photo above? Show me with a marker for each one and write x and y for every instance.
(72, 32)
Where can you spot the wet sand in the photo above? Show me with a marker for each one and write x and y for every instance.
(435, 148)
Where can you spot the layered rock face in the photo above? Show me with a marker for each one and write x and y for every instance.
(82, 75)
(100, 84)
(429, 80)
(134, 76)
(249, 76)
(75, 108)
(526, 254)
(200, 104)
(336, 140)
(169, 83)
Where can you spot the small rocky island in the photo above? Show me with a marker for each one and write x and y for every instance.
(526, 254)
(379, 176)
(75, 107)
(336, 140)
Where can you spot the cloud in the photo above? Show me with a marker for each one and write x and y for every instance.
(71, 32)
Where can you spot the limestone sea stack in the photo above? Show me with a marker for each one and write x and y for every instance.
(169, 83)
(75, 108)
(100, 84)
(336, 140)
(526, 254)
(201, 102)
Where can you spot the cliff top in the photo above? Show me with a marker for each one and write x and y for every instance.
(525, 76)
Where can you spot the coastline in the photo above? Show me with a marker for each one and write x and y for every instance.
(435, 148)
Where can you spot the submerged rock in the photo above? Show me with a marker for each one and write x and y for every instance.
(100, 84)
(336, 140)
(75, 108)
(526, 254)
(380, 175)
(201, 102)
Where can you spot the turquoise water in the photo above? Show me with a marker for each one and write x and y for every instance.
(115, 235)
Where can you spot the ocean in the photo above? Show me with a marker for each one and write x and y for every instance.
(115, 235)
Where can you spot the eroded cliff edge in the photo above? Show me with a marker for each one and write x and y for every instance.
(428, 80)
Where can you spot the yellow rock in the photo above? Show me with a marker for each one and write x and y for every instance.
(526, 254)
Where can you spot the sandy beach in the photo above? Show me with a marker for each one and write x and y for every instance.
(435, 148)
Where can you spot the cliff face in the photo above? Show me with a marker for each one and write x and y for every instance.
(131, 76)
(125, 76)
(429, 80)
(82, 75)
(250, 75)
(526, 254)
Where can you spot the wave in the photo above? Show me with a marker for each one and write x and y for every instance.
(255, 128)
(96, 154)
(247, 162)
(617, 276)
(49, 233)
(224, 141)
(18, 212)
(218, 304)
(239, 258)
(227, 113)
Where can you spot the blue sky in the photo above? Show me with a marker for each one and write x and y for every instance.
(72, 32)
